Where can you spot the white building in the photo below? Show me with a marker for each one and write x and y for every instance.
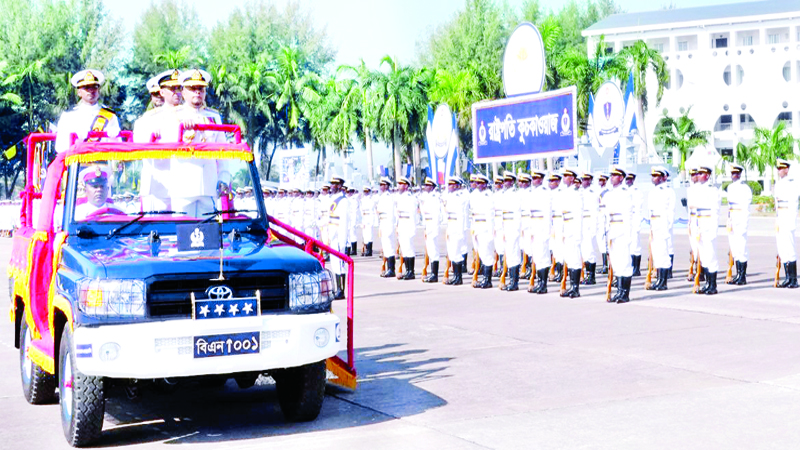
(736, 65)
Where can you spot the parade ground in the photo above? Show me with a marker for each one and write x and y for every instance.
(445, 367)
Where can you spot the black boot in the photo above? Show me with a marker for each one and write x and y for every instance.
(558, 273)
(636, 260)
(338, 294)
(389, 268)
(485, 277)
(590, 274)
(541, 281)
(712, 283)
(617, 295)
(661, 284)
(367, 250)
(463, 264)
(707, 277)
(604, 269)
(409, 274)
(512, 279)
(527, 273)
(625, 289)
(741, 270)
(791, 276)
(735, 278)
(702, 275)
(456, 279)
(574, 284)
(499, 271)
(671, 263)
(470, 270)
(354, 248)
(433, 277)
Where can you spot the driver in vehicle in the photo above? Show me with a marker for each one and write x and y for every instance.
(95, 181)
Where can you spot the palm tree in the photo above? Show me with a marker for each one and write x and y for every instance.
(174, 59)
(640, 58)
(6, 80)
(680, 134)
(364, 79)
(296, 87)
(28, 75)
(768, 145)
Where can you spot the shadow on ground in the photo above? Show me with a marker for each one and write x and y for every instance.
(201, 414)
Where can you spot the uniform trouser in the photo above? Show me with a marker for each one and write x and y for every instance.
(587, 245)
(737, 239)
(636, 240)
(473, 238)
(367, 232)
(693, 241)
(619, 253)
(431, 247)
(670, 239)
(388, 243)
(526, 241)
(786, 249)
(153, 203)
(571, 251)
(541, 249)
(454, 238)
(707, 246)
(485, 246)
(499, 239)
(557, 245)
(405, 237)
(511, 243)
(600, 237)
(659, 248)
(351, 234)
(464, 248)
(193, 206)
(337, 265)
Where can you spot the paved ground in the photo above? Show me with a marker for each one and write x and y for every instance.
(456, 368)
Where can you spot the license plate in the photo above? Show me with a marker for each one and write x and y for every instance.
(227, 344)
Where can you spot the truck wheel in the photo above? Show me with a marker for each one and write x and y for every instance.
(301, 391)
(82, 400)
(246, 380)
(38, 386)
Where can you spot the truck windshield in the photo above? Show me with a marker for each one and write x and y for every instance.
(181, 189)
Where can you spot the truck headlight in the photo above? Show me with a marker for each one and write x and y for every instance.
(111, 298)
(310, 292)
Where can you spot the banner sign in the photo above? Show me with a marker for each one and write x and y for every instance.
(608, 112)
(525, 127)
(441, 142)
(523, 61)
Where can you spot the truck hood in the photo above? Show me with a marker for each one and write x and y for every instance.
(132, 257)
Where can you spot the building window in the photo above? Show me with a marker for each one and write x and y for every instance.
(724, 123)
(747, 41)
(785, 117)
(659, 48)
(721, 43)
(678, 79)
(683, 46)
(787, 72)
(739, 75)
(746, 122)
(726, 76)
(774, 39)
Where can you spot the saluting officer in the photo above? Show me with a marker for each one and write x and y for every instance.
(455, 212)
(708, 204)
(661, 203)
(739, 198)
(88, 115)
(602, 226)
(787, 190)
(510, 203)
(407, 207)
(387, 225)
(557, 228)
(591, 204)
(571, 206)
(619, 213)
(367, 220)
(430, 204)
(636, 221)
(482, 208)
(541, 223)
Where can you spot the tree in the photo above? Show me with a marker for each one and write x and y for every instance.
(680, 134)
(768, 145)
(365, 80)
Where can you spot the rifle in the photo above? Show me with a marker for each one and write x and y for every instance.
(446, 269)
(778, 271)
(697, 277)
(496, 261)
(564, 280)
(383, 266)
(552, 275)
(648, 282)
(729, 276)
(425, 266)
(691, 266)
(477, 262)
(524, 260)
(533, 276)
(610, 280)
(505, 272)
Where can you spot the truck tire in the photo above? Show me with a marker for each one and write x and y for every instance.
(82, 398)
(301, 391)
(38, 386)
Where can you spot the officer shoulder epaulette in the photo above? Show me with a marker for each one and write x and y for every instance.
(107, 110)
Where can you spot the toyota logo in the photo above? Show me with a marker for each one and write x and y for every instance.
(219, 293)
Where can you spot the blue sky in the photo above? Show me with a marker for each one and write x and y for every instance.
(370, 29)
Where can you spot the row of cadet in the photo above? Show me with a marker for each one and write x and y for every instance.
(550, 227)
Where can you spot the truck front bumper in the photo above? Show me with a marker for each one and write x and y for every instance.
(170, 348)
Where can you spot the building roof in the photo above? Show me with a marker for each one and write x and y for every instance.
(701, 13)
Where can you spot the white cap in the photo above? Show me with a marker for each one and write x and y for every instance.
(195, 77)
(87, 77)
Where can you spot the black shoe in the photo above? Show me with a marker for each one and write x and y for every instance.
(513, 279)
(604, 269)
(792, 276)
(704, 276)
(712, 283)
(671, 264)
(741, 273)
(433, 277)
(499, 271)
(625, 290)
(661, 284)
(367, 249)
(590, 274)
(409, 273)
(636, 261)
(558, 273)
(485, 277)
(340, 285)
(735, 278)
(616, 282)
(389, 268)
(464, 263)
(541, 281)
(456, 279)
(574, 284)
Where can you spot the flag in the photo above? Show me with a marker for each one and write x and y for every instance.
(409, 169)
(11, 152)
(629, 121)
(590, 124)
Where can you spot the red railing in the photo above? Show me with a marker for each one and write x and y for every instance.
(308, 247)
(29, 193)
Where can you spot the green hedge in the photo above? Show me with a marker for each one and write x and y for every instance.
(755, 186)
(764, 203)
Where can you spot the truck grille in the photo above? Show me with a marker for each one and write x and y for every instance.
(170, 297)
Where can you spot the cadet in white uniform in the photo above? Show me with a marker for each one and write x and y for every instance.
(524, 194)
(571, 205)
(557, 227)
(455, 213)
(407, 207)
(483, 213)
(88, 115)
(602, 227)
(355, 221)
(541, 223)
(708, 204)
(637, 200)
(339, 209)
(310, 214)
(787, 190)
(691, 199)
(591, 203)
(510, 204)
(387, 225)
(619, 212)
(430, 205)
(368, 222)
(499, 237)
(740, 196)
(661, 203)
